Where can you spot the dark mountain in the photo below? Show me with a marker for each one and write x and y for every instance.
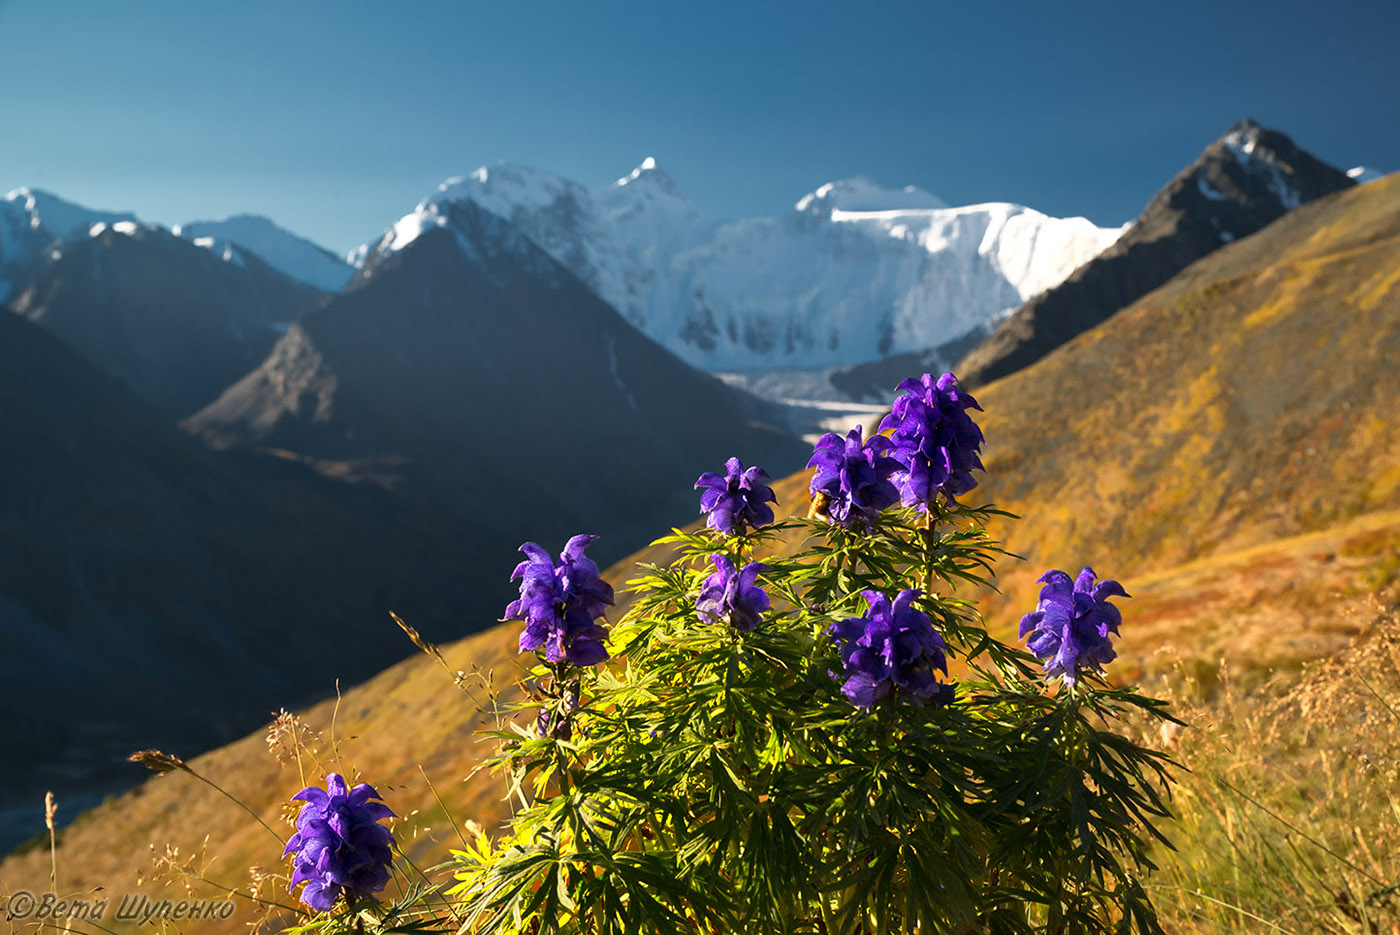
(156, 593)
(1245, 180)
(465, 365)
(176, 323)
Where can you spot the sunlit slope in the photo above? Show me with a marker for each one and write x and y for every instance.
(1253, 397)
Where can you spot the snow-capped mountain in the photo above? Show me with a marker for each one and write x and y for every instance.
(276, 246)
(854, 272)
(33, 222)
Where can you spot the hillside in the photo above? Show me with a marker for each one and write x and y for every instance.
(1249, 399)
(1226, 447)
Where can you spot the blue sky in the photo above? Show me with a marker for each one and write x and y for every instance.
(335, 118)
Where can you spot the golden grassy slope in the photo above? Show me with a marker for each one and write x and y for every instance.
(1242, 413)
(1250, 398)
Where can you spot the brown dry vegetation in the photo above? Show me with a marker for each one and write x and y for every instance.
(1227, 447)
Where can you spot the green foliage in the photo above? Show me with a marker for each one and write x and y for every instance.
(710, 780)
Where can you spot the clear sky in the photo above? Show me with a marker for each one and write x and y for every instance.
(335, 118)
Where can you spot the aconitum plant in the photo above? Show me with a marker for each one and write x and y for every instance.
(339, 847)
(737, 501)
(1069, 628)
(732, 596)
(891, 646)
(792, 757)
(560, 603)
(852, 478)
(935, 440)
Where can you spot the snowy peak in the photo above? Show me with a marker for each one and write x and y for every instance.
(859, 194)
(1239, 185)
(508, 189)
(483, 238)
(1243, 181)
(284, 251)
(648, 174)
(59, 219)
(1248, 143)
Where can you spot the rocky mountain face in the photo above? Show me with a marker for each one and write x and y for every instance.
(1245, 180)
(855, 272)
(177, 324)
(465, 364)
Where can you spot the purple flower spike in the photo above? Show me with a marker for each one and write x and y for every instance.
(853, 479)
(737, 501)
(935, 439)
(561, 603)
(733, 597)
(891, 647)
(339, 847)
(1070, 626)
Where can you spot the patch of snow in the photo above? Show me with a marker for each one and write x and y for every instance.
(1363, 174)
(409, 228)
(1209, 190)
(610, 348)
(1242, 143)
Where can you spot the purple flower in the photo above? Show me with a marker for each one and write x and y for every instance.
(1070, 626)
(737, 501)
(560, 604)
(852, 479)
(339, 845)
(935, 439)
(891, 647)
(732, 597)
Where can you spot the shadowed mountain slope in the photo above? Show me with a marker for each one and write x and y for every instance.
(470, 367)
(1245, 180)
(153, 590)
(174, 322)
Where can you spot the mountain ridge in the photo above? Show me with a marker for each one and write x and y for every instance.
(1240, 183)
